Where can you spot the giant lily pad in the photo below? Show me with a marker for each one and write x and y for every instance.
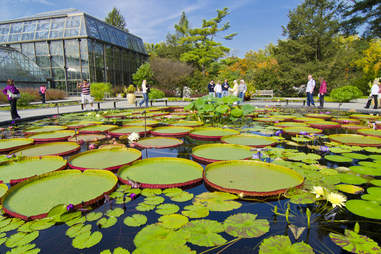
(290, 124)
(355, 243)
(126, 130)
(187, 123)
(320, 116)
(211, 133)
(52, 136)
(209, 153)
(245, 225)
(26, 167)
(53, 148)
(94, 129)
(108, 159)
(356, 140)
(252, 178)
(370, 132)
(301, 130)
(172, 131)
(352, 126)
(281, 244)
(364, 117)
(347, 121)
(363, 208)
(35, 197)
(48, 128)
(249, 140)
(141, 123)
(162, 172)
(324, 125)
(87, 138)
(10, 144)
(158, 142)
(81, 124)
(3, 189)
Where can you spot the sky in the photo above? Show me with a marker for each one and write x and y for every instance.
(257, 22)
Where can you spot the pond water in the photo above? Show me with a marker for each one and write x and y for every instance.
(287, 215)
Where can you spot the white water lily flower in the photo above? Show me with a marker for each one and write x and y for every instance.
(133, 137)
(336, 199)
(98, 115)
(318, 191)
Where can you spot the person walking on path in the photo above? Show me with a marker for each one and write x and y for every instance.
(225, 88)
(145, 90)
(322, 91)
(242, 88)
(85, 94)
(211, 88)
(12, 94)
(373, 94)
(310, 90)
(42, 93)
(218, 89)
(234, 90)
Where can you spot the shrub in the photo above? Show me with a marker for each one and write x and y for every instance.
(345, 93)
(55, 94)
(25, 99)
(98, 90)
(130, 89)
(117, 89)
(156, 94)
(143, 72)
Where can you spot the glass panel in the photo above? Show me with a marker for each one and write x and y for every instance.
(29, 26)
(42, 35)
(56, 48)
(4, 29)
(17, 47)
(27, 36)
(16, 27)
(83, 26)
(103, 32)
(56, 34)
(72, 53)
(43, 25)
(3, 38)
(43, 61)
(71, 32)
(73, 21)
(84, 53)
(58, 73)
(57, 61)
(28, 50)
(58, 23)
(42, 48)
(85, 73)
(92, 27)
(15, 37)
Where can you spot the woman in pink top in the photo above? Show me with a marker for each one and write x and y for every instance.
(42, 92)
(322, 91)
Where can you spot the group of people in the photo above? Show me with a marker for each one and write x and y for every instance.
(221, 90)
(374, 94)
(310, 90)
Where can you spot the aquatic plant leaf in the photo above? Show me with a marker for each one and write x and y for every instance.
(70, 216)
(150, 192)
(115, 212)
(93, 216)
(217, 201)
(195, 211)
(76, 220)
(14, 224)
(21, 238)
(87, 240)
(135, 220)
(364, 170)
(355, 243)
(107, 222)
(118, 250)
(356, 156)
(5, 222)
(154, 233)
(338, 158)
(173, 221)
(56, 212)
(165, 209)
(78, 229)
(376, 182)
(181, 196)
(124, 188)
(296, 231)
(363, 208)
(153, 200)
(303, 198)
(163, 247)
(25, 249)
(348, 188)
(122, 200)
(352, 179)
(245, 225)
(3, 238)
(116, 194)
(281, 244)
(204, 232)
(42, 224)
(143, 207)
(171, 191)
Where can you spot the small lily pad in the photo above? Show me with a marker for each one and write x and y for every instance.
(245, 225)
(363, 208)
(217, 201)
(195, 211)
(143, 207)
(21, 238)
(154, 200)
(115, 212)
(135, 220)
(165, 209)
(348, 188)
(87, 240)
(338, 158)
(173, 221)
(281, 244)
(355, 243)
(150, 192)
(107, 222)
(93, 216)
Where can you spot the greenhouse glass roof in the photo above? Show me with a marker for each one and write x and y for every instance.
(65, 24)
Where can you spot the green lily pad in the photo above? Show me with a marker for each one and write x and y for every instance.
(245, 225)
(211, 133)
(150, 192)
(143, 207)
(356, 140)
(205, 232)
(370, 132)
(158, 142)
(115, 212)
(338, 158)
(363, 208)
(93, 216)
(376, 182)
(366, 170)
(107, 222)
(127, 130)
(136, 220)
(348, 188)
(217, 201)
(97, 128)
(52, 136)
(249, 140)
(187, 123)
(166, 209)
(182, 196)
(355, 243)
(77, 229)
(51, 148)
(155, 233)
(173, 221)
(355, 156)
(87, 240)
(3, 189)
(48, 128)
(351, 179)
(303, 198)
(163, 247)
(174, 131)
(20, 239)
(220, 152)
(118, 250)
(10, 144)
(301, 130)
(25, 249)
(154, 200)
(195, 211)
(281, 244)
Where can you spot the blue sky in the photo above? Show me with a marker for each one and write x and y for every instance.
(257, 22)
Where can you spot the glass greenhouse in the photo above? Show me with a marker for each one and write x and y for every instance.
(70, 45)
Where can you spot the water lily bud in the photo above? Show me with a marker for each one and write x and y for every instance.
(92, 146)
(132, 195)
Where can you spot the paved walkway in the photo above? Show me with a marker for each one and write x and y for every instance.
(27, 113)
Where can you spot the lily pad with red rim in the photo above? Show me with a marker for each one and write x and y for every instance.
(94, 129)
(141, 123)
(3, 189)
(211, 133)
(47, 128)
(349, 121)
(252, 178)
(356, 140)
(162, 172)
(158, 142)
(364, 117)
(320, 116)
(305, 119)
(324, 125)
(290, 124)
(187, 123)
(301, 130)
(250, 140)
(172, 131)
(87, 138)
(209, 153)
(369, 132)
(81, 124)
(26, 167)
(52, 136)
(35, 197)
(10, 144)
(52, 148)
(108, 159)
(352, 126)
(126, 130)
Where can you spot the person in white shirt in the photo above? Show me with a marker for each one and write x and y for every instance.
(242, 88)
(145, 90)
(310, 90)
(234, 90)
(374, 94)
(218, 89)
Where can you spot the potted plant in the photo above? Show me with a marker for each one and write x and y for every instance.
(131, 98)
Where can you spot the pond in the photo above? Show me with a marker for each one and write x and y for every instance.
(298, 182)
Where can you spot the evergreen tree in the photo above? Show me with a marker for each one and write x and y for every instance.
(115, 18)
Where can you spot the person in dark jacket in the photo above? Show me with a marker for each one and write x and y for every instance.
(211, 88)
(12, 94)
(225, 88)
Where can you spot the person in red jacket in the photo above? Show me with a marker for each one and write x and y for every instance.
(322, 91)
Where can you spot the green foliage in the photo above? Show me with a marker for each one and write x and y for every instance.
(25, 99)
(353, 242)
(345, 93)
(131, 89)
(98, 90)
(144, 72)
(115, 18)
(156, 94)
